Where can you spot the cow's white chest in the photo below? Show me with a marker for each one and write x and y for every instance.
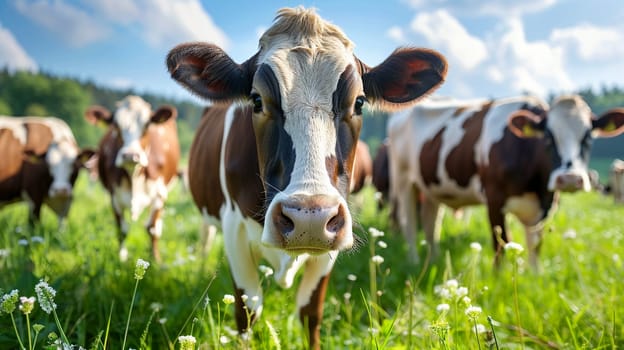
(525, 207)
(140, 193)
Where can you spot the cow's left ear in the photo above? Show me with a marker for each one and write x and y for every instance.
(98, 114)
(32, 157)
(403, 78)
(163, 114)
(609, 124)
(525, 124)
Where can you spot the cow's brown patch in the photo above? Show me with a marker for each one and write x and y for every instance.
(429, 157)
(204, 161)
(241, 166)
(39, 137)
(460, 163)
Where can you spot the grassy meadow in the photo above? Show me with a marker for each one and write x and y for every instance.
(575, 301)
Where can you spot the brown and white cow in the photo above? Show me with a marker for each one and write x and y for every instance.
(40, 160)
(362, 167)
(275, 166)
(616, 180)
(511, 154)
(137, 161)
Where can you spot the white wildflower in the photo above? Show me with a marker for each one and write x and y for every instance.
(375, 232)
(382, 244)
(347, 296)
(473, 312)
(228, 299)
(461, 292)
(224, 339)
(4, 253)
(22, 242)
(8, 301)
(351, 277)
(377, 259)
(45, 296)
(514, 248)
(37, 239)
(27, 304)
(475, 247)
(140, 268)
(442, 308)
(244, 298)
(187, 342)
(265, 270)
(569, 234)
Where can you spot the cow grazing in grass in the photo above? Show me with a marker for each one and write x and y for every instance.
(275, 166)
(513, 155)
(40, 160)
(362, 167)
(137, 160)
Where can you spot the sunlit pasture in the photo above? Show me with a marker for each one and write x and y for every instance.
(377, 299)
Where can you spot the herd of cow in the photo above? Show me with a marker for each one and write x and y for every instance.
(277, 153)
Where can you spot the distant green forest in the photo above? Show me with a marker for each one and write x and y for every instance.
(44, 94)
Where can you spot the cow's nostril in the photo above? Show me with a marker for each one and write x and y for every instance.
(336, 223)
(283, 223)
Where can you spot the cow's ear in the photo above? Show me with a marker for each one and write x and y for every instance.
(206, 70)
(163, 114)
(403, 78)
(609, 124)
(526, 124)
(84, 156)
(98, 115)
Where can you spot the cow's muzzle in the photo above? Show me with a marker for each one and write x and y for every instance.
(309, 224)
(569, 183)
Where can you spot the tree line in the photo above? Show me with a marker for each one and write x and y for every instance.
(43, 94)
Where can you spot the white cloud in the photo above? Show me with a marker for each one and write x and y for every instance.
(72, 24)
(163, 22)
(12, 54)
(396, 33)
(448, 35)
(535, 67)
(510, 8)
(590, 42)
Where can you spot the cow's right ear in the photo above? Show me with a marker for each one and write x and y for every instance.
(98, 114)
(525, 124)
(163, 114)
(31, 157)
(206, 70)
(84, 156)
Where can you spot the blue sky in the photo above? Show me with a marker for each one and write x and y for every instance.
(494, 48)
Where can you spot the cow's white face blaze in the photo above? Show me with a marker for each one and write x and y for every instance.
(569, 123)
(61, 158)
(131, 118)
(300, 93)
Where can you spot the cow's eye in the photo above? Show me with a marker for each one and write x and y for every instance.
(257, 102)
(359, 102)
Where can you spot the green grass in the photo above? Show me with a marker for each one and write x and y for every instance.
(574, 302)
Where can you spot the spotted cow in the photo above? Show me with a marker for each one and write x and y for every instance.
(40, 164)
(514, 155)
(274, 167)
(137, 161)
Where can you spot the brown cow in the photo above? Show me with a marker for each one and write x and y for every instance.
(137, 160)
(362, 167)
(40, 164)
(275, 168)
(461, 153)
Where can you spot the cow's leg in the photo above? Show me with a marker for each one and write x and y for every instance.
(208, 235)
(122, 228)
(499, 234)
(533, 234)
(154, 227)
(244, 272)
(408, 209)
(431, 221)
(311, 295)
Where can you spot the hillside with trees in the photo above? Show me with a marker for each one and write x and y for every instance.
(43, 94)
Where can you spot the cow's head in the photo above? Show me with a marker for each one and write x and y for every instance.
(130, 121)
(307, 91)
(568, 131)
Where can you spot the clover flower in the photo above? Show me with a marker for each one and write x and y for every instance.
(228, 299)
(443, 308)
(375, 232)
(382, 244)
(45, 296)
(514, 248)
(187, 342)
(8, 301)
(351, 277)
(265, 270)
(140, 268)
(475, 247)
(377, 259)
(26, 305)
(473, 312)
